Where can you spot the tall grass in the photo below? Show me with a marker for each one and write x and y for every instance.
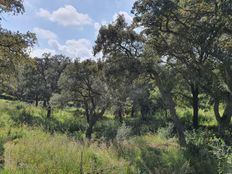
(44, 153)
(31, 143)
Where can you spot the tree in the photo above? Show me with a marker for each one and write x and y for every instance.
(30, 84)
(121, 46)
(186, 33)
(165, 78)
(221, 84)
(14, 46)
(40, 80)
(118, 40)
(51, 69)
(86, 86)
(11, 6)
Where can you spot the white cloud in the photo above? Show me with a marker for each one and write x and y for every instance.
(81, 48)
(44, 13)
(127, 17)
(44, 34)
(37, 52)
(66, 16)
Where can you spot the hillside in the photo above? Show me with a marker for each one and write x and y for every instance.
(32, 144)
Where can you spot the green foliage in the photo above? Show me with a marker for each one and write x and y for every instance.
(11, 6)
(107, 129)
(153, 154)
(123, 133)
(40, 80)
(14, 46)
(207, 153)
(141, 127)
(85, 85)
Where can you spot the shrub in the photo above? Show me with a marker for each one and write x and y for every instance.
(149, 125)
(153, 154)
(207, 153)
(107, 129)
(123, 133)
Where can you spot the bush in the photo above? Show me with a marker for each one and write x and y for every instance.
(107, 129)
(123, 133)
(207, 153)
(153, 154)
(150, 125)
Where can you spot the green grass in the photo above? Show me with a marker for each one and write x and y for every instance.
(42, 153)
(31, 143)
(30, 148)
(38, 152)
(206, 117)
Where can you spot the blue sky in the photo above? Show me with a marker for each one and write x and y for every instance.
(67, 27)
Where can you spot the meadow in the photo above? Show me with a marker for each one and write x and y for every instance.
(32, 143)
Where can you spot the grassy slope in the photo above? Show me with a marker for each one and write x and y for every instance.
(29, 148)
(30, 143)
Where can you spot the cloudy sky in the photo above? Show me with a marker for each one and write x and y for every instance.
(67, 27)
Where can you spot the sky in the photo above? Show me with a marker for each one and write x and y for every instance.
(67, 27)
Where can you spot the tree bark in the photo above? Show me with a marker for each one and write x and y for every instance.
(92, 121)
(89, 131)
(133, 110)
(195, 105)
(179, 127)
(143, 111)
(36, 100)
(44, 103)
(170, 104)
(49, 112)
(225, 119)
(120, 114)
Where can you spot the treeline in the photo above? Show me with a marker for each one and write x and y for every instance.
(175, 53)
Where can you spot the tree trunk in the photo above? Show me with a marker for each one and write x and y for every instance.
(133, 110)
(120, 114)
(92, 121)
(36, 101)
(177, 123)
(49, 112)
(170, 104)
(89, 131)
(195, 105)
(225, 119)
(94, 118)
(44, 103)
(143, 111)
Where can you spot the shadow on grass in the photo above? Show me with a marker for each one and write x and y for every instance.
(48, 124)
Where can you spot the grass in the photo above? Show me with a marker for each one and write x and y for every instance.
(206, 117)
(32, 143)
(28, 147)
(42, 153)
(39, 152)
